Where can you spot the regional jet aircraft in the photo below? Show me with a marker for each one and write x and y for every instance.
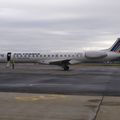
(63, 59)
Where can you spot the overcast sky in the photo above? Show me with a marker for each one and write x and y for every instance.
(58, 24)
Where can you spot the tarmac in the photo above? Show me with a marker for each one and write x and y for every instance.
(42, 92)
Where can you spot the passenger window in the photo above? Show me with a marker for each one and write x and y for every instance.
(68, 55)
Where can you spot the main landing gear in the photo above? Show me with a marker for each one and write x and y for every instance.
(66, 68)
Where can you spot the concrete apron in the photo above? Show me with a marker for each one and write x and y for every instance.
(20, 106)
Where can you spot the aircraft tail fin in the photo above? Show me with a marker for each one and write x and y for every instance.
(116, 46)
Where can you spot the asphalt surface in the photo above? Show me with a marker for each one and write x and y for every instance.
(81, 79)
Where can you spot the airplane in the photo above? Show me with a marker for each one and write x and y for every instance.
(62, 59)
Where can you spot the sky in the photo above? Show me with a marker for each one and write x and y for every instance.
(33, 25)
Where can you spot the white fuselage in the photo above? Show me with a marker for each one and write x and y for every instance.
(51, 57)
(63, 59)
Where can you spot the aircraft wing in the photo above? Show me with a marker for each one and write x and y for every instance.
(60, 62)
(57, 62)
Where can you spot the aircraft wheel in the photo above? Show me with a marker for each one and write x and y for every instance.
(66, 68)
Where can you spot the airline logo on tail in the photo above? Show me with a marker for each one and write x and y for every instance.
(116, 46)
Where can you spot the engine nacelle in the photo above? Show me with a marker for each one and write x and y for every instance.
(95, 54)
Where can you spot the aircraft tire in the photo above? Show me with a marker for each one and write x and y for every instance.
(66, 68)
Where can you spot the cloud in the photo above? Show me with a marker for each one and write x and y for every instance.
(29, 24)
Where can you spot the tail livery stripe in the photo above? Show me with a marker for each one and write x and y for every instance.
(116, 46)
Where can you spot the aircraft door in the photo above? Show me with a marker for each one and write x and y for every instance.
(10, 60)
(8, 56)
